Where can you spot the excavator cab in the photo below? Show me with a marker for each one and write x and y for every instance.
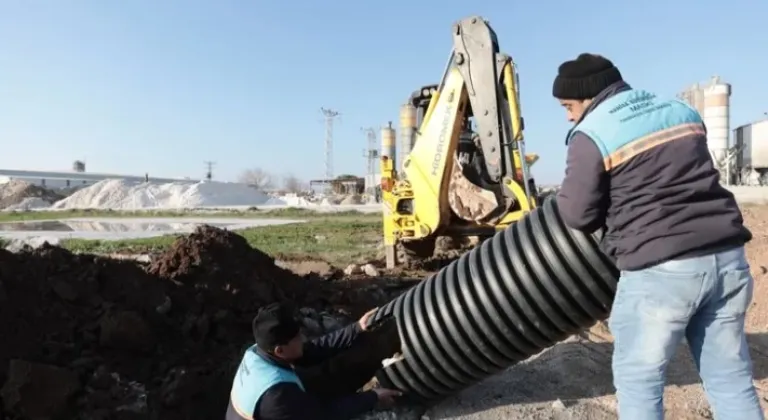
(466, 173)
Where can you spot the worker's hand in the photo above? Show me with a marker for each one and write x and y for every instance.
(363, 322)
(387, 396)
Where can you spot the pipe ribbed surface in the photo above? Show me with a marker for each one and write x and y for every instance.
(519, 292)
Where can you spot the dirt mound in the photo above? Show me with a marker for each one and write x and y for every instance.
(447, 250)
(117, 339)
(222, 266)
(428, 265)
(15, 192)
(64, 316)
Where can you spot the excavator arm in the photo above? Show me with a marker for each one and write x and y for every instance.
(427, 167)
(477, 57)
(492, 86)
(474, 111)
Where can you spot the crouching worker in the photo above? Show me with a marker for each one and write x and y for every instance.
(285, 377)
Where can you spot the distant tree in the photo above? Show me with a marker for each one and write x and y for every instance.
(292, 184)
(257, 178)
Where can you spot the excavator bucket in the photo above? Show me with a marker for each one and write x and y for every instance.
(467, 200)
(472, 202)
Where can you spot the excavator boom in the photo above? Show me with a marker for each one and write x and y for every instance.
(476, 54)
(467, 170)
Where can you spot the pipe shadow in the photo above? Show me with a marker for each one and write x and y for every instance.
(566, 375)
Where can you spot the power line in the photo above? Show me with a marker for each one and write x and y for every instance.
(330, 115)
(209, 169)
(371, 153)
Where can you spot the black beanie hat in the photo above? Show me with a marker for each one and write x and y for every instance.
(275, 325)
(585, 77)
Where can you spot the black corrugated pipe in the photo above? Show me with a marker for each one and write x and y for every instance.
(523, 290)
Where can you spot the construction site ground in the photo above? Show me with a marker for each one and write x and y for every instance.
(115, 338)
(573, 380)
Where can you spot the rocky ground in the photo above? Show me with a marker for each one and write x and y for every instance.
(573, 379)
(92, 337)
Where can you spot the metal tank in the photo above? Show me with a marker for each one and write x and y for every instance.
(407, 130)
(694, 96)
(388, 148)
(78, 166)
(717, 118)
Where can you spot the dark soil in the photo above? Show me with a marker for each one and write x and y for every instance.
(95, 338)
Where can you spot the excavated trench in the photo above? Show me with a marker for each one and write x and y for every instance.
(526, 289)
(93, 338)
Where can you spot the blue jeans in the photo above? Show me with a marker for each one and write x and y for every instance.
(703, 299)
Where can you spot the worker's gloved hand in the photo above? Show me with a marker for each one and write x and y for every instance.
(387, 397)
(365, 319)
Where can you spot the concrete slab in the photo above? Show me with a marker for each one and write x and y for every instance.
(750, 194)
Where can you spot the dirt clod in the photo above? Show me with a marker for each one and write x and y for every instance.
(126, 330)
(39, 391)
(352, 269)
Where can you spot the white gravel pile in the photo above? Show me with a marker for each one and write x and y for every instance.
(290, 200)
(18, 244)
(29, 203)
(120, 194)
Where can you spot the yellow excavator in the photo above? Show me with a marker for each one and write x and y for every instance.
(467, 173)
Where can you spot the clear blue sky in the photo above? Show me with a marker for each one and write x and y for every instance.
(161, 86)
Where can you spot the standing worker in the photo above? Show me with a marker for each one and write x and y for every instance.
(639, 165)
(282, 377)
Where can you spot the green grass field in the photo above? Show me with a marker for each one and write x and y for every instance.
(339, 238)
(286, 213)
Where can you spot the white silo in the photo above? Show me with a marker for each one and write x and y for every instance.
(388, 147)
(716, 117)
(694, 96)
(407, 131)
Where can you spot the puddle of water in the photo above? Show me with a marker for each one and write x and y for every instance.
(100, 226)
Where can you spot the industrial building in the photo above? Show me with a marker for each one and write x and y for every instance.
(73, 179)
(751, 161)
(743, 158)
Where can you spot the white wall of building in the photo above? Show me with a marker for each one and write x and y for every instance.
(52, 183)
(59, 180)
